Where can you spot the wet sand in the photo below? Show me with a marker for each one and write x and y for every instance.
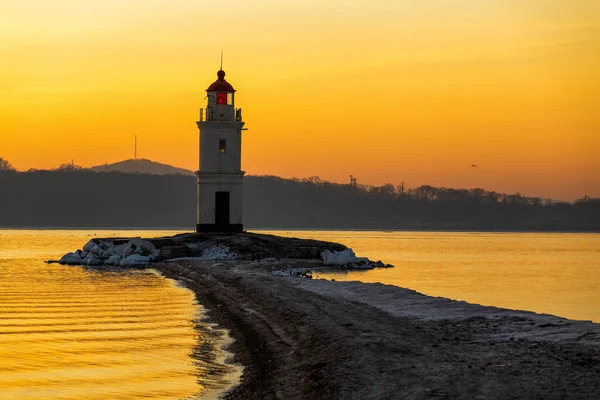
(299, 338)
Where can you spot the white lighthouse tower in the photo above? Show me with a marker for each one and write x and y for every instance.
(220, 176)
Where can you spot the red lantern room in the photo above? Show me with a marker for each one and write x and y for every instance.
(220, 100)
(221, 105)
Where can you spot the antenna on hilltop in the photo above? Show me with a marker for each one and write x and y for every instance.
(353, 181)
(135, 148)
(221, 59)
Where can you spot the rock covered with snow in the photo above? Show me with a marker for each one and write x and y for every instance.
(71, 258)
(92, 259)
(213, 246)
(337, 257)
(132, 252)
(218, 253)
(211, 253)
(141, 247)
(134, 260)
(347, 258)
(113, 259)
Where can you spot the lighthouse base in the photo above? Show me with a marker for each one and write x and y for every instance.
(216, 228)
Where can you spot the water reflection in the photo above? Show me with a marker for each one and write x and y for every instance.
(72, 333)
(555, 273)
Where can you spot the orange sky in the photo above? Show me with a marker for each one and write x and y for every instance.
(389, 91)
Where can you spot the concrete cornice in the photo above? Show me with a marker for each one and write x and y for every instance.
(209, 177)
(220, 124)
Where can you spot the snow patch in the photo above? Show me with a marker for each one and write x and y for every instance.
(91, 259)
(406, 303)
(113, 259)
(134, 260)
(347, 258)
(212, 253)
(337, 257)
(89, 245)
(218, 253)
(71, 258)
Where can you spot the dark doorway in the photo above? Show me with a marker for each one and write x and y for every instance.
(222, 208)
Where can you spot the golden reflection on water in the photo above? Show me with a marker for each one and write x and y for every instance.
(73, 333)
(555, 273)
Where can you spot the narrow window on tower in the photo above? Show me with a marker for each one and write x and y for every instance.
(221, 98)
(229, 99)
(222, 146)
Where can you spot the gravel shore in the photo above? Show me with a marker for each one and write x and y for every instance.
(299, 338)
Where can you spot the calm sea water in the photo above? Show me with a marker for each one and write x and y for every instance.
(555, 273)
(72, 333)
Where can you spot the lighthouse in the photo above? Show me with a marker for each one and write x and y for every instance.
(220, 176)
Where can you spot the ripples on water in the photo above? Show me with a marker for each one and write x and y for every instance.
(554, 273)
(72, 333)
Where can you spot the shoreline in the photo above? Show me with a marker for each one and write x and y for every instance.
(300, 338)
(318, 339)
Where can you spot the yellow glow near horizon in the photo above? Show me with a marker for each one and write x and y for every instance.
(412, 91)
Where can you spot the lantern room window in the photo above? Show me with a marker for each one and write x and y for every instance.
(221, 98)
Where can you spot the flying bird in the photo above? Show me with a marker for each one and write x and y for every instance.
(473, 165)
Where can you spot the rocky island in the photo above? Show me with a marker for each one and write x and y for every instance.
(131, 252)
(303, 338)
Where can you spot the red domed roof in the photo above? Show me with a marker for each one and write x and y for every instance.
(220, 85)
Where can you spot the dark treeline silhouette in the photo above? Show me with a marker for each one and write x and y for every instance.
(71, 197)
(5, 165)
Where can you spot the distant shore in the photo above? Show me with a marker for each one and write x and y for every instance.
(51, 198)
(300, 338)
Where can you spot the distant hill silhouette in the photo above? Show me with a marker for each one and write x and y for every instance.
(142, 166)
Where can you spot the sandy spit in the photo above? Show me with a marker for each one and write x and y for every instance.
(312, 339)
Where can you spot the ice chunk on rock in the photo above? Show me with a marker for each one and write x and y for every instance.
(348, 259)
(105, 254)
(337, 257)
(93, 247)
(134, 260)
(120, 249)
(138, 246)
(71, 258)
(114, 259)
(89, 245)
(129, 250)
(218, 253)
(91, 259)
(154, 255)
(146, 246)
